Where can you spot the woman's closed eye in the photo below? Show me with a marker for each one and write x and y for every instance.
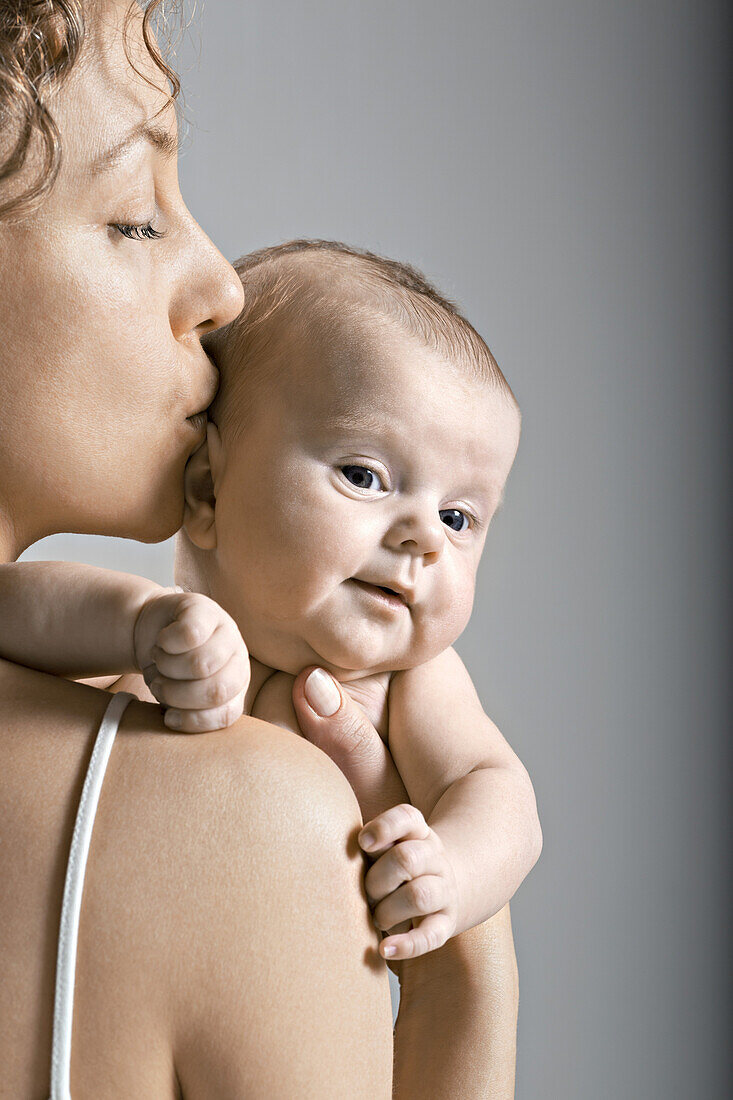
(137, 232)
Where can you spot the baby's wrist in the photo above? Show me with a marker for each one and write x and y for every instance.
(144, 622)
(463, 870)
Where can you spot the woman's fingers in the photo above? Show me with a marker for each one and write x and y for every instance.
(430, 934)
(330, 719)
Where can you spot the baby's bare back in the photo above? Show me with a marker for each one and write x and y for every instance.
(208, 966)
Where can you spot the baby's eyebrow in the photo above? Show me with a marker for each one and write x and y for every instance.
(162, 139)
(360, 420)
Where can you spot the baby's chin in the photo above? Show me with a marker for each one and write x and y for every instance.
(362, 650)
(347, 661)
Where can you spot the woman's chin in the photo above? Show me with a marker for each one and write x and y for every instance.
(158, 524)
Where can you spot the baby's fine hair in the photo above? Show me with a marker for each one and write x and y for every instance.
(309, 285)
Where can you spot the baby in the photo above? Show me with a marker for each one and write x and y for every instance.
(357, 451)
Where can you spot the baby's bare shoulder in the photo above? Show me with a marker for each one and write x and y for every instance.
(274, 702)
(432, 678)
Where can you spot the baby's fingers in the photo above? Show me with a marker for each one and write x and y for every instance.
(209, 693)
(201, 721)
(418, 898)
(403, 822)
(195, 621)
(204, 660)
(407, 860)
(432, 932)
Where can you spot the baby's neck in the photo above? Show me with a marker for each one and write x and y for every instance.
(370, 691)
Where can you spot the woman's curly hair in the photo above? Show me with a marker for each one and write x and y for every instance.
(40, 41)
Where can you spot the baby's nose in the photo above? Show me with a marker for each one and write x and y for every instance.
(420, 532)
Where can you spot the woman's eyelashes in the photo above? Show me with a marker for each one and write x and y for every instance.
(137, 232)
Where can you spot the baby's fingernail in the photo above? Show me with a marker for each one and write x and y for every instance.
(389, 951)
(322, 693)
(367, 840)
(173, 719)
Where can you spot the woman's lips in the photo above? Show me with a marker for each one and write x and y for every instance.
(197, 421)
(386, 597)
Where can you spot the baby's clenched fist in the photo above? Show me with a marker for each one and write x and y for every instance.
(193, 660)
(411, 878)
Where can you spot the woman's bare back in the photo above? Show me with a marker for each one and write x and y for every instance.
(225, 945)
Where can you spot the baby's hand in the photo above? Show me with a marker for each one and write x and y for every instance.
(193, 659)
(407, 851)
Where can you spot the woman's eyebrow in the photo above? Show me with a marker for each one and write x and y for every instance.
(159, 137)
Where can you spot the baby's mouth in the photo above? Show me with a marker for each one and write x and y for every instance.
(388, 595)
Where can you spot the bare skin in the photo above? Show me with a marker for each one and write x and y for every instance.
(204, 970)
(368, 460)
(193, 977)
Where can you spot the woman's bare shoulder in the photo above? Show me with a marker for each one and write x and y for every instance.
(258, 905)
(249, 765)
(224, 893)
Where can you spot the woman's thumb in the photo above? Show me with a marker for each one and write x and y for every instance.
(330, 719)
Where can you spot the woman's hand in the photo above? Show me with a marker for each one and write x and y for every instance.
(411, 885)
(456, 1030)
(330, 719)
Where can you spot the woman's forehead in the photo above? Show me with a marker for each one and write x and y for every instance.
(114, 92)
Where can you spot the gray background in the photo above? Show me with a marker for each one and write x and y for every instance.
(560, 167)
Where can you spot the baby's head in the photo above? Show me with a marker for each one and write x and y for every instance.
(359, 446)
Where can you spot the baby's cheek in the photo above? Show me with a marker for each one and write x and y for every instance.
(447, 619)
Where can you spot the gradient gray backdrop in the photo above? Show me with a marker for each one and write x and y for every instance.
(560, 167)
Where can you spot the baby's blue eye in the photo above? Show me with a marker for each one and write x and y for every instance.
(454, 518)
(362, 477)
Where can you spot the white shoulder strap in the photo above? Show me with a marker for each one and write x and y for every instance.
(63, 1008)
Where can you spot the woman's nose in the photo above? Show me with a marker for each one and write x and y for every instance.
(419, 532)
(209, 292)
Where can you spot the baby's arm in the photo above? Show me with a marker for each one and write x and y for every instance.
(79, 621)
(456, 855)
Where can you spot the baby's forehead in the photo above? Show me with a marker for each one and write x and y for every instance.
(373, 381)
(320, 338)
(366, 354)
(353, 366)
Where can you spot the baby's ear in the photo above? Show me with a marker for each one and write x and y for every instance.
(199, 514)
